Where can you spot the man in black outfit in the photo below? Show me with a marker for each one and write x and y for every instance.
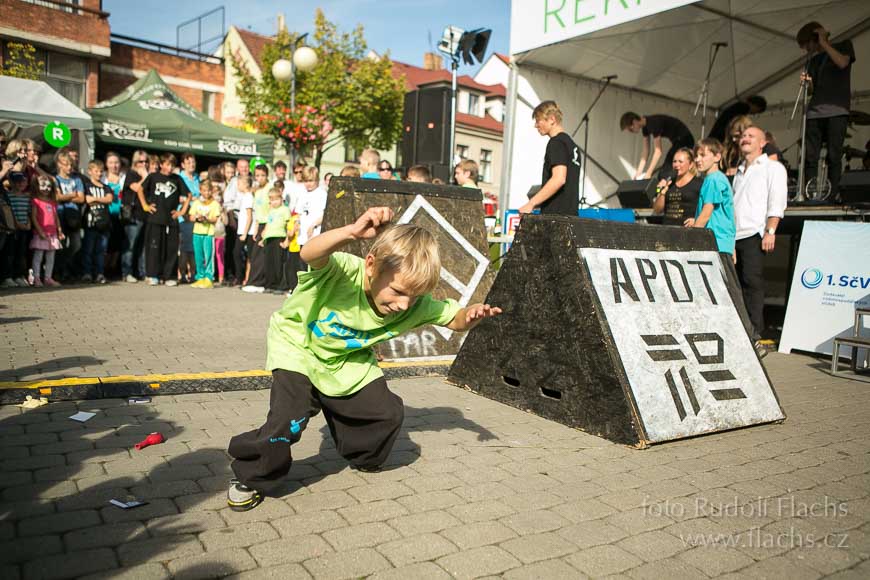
(753, 105)
(829, 73)
(655, 127)
(560, 179)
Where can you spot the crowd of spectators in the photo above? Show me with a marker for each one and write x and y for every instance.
(156, 219)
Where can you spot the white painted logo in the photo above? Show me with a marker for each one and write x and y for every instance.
(465, 289)
(118, 130)
(236, 148)
(163, 104)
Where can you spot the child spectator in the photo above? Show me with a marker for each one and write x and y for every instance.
(47, 231)
(160, 197)
(311, 206)
(274, 241)
(419, 174)
(220, 233)
(15, 250)
(153, 163)
(204, 213)
(247, 228)
(327, 177)
(191, 179)
(349, 171)
(320, 349)
(368, 164)
(716, 201)
(257, 275)
(97, 224)
(293, 263)
(69, 201)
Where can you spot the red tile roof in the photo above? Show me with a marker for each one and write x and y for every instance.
(503, 58)
(255, 43)
(416, 76)
(486, 122)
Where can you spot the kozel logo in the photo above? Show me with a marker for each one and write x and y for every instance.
(119, 131)
(812, 278)
(236, 148)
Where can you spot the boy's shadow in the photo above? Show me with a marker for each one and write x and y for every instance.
(327, 461)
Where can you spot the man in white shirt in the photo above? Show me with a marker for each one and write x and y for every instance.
(293, 188)
(760, 197)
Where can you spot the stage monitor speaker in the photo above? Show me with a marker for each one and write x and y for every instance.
(628, 332)
(636, 194)
(454, 215)
(855, 187)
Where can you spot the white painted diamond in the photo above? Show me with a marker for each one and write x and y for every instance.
(466, 291)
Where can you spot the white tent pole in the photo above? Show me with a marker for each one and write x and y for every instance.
(508, 138)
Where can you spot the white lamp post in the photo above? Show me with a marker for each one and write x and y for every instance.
(303, 58)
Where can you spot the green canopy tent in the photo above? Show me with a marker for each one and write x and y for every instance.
(149, 115)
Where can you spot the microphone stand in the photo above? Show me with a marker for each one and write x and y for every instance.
(585, 120)
(705, 88)
(803, 93)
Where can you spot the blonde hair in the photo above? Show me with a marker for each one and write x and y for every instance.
(547, 109)
(369, 160)
(276, 192)
(349, 171)
(470, 166)
(310, 173)
(412, 251)
(732, 155)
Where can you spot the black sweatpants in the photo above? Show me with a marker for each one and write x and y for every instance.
(832, 131)
(161, 251)
(293, 264)
(241, 255)
(363, 425)
(750, 273)
(274, 261)
(257, 256)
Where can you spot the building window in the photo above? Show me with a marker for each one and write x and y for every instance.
(208, 104)
(55, 6)
(474, 104)
(65, 73)
(462, 151)
(486, 166)
(351, 155)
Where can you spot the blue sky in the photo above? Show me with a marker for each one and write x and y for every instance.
(401, 26)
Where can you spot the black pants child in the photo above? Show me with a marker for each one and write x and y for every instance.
(257, 277)
(364, 426)
(161, 251)
(293, 264)
(275, 257)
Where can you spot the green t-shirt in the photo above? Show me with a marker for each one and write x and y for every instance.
(276, 222)
(326, 329)
(261, 204)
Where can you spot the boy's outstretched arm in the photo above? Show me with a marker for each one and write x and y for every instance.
(470, 316)
(367, 226)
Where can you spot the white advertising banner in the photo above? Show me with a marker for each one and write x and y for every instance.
(536, 23)
(689, 362)
(831, 278)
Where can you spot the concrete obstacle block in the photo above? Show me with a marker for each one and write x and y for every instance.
(628, 332)
(454, 215)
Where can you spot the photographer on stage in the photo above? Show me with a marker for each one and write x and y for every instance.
(829, 72)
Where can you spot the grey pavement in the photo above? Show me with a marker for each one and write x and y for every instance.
(474, 488)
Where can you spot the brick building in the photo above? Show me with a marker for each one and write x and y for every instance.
(71, 40)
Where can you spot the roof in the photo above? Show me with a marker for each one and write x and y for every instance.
(502, 57)
(416, 76)
(30, 103)
(256, 43)
(486, 122)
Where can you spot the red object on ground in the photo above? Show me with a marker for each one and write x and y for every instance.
(152, 439)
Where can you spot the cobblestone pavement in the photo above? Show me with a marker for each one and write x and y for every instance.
(474, 488)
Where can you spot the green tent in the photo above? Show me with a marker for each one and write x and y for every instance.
(149, 115)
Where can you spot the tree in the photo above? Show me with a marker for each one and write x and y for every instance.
(22, 62)
(347, 96)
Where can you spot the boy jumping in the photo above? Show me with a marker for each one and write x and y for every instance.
(319, 349)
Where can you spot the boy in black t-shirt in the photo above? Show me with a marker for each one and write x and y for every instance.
(560, 179)
(829, 72)
(160, 196)
(655, 127)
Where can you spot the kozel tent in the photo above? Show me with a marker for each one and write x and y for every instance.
(148, 114)
(660, 49)
(26, 107)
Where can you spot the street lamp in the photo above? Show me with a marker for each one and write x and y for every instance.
(303, 58)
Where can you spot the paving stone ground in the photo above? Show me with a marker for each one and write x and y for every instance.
(474, 488)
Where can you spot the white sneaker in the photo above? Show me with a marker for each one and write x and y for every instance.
(253, 289)
(153, 281)
(21, 283)
(100, 279)
(131, 279)
(171, 283)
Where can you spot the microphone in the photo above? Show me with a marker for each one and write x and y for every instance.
(609, 77)
(720, 44)
(667, 185)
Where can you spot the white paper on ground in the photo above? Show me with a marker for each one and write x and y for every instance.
(82, 416)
